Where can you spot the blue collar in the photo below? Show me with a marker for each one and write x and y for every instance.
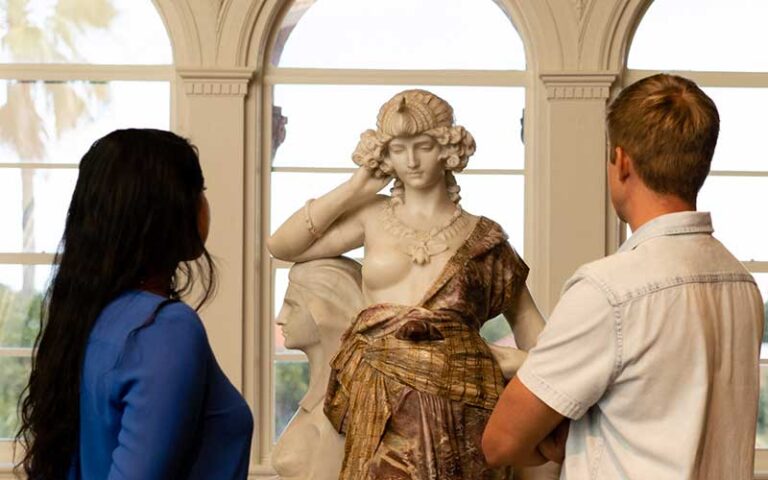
(678, 223)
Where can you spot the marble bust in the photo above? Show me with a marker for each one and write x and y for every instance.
(322, 299)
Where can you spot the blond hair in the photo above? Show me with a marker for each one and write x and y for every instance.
(668, 126)
(410, 113)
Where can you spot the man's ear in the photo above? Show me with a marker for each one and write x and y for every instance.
(623, 163)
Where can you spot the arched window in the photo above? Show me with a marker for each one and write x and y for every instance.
(331, 65)
(719, 45)
(70, 72)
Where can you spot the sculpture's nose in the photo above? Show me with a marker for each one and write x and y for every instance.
(413, 162)
(280, 320)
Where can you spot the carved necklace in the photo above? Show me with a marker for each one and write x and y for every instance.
(422, 245)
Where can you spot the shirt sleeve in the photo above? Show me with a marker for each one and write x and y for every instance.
(508, 273)
(162, 383)
(576, 354)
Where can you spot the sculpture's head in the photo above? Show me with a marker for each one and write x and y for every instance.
(321, 300)
(410, 116)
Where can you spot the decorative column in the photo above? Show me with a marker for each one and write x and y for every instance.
(573, 182)
(213, 112)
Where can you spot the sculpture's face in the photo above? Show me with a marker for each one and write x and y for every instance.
(299, 328)
(416, 161)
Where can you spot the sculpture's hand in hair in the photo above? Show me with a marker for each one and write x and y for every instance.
(366, 183)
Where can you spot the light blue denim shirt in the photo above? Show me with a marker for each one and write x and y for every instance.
(654, 354)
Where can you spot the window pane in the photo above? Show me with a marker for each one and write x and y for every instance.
(22, 288)
(702, 35)
(762, 283)
(58, 121)
(93, 31)
(35, 203)
(762, 413)
(291, 382)
(741, 123)
(728, 198)
(497, 331)
(14, 374)
(498, 197)
(398, 34)
(324, 122)
(291, 190)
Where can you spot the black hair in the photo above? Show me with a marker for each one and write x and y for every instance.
(133, 220)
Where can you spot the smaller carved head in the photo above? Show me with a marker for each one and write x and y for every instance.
(408, 114)
(322, 298)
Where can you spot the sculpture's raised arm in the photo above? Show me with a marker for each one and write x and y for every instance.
(330, 225)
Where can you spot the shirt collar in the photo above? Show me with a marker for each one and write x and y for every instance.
(678, 223)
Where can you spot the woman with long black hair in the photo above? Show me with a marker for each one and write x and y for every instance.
(124, 384)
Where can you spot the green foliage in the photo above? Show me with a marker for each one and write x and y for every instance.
(762, 414)
(765, 326)
(14, 372)
(495, 329)
(19, 317)
(291, 382)
(19, 323)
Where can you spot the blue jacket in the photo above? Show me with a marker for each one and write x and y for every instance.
(154, 403)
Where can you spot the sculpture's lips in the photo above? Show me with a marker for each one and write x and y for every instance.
(414, 173)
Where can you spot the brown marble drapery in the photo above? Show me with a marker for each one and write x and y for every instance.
(413, 386)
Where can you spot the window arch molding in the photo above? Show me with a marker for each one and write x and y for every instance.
(250, 28)
(184, 31)
(616, 40)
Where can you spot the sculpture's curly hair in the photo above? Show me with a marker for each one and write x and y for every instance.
(416, 112)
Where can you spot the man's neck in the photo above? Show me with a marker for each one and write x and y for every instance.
(651, 205)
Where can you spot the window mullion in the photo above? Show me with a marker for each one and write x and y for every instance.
(69, 72)
(26, 258)
(319, 76)
(708, 79)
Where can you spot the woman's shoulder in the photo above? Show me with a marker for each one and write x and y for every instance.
(171, 323)
(150, 314)
(178, 318)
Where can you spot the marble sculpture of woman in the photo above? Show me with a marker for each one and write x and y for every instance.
(413, 383)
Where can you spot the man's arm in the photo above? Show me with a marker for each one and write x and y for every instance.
(519, 423)
(567, 372)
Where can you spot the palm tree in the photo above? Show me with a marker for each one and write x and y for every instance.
(23, 120)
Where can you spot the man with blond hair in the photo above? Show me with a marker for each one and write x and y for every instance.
(652, 354)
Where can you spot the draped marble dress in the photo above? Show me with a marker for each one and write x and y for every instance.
(412, 387)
